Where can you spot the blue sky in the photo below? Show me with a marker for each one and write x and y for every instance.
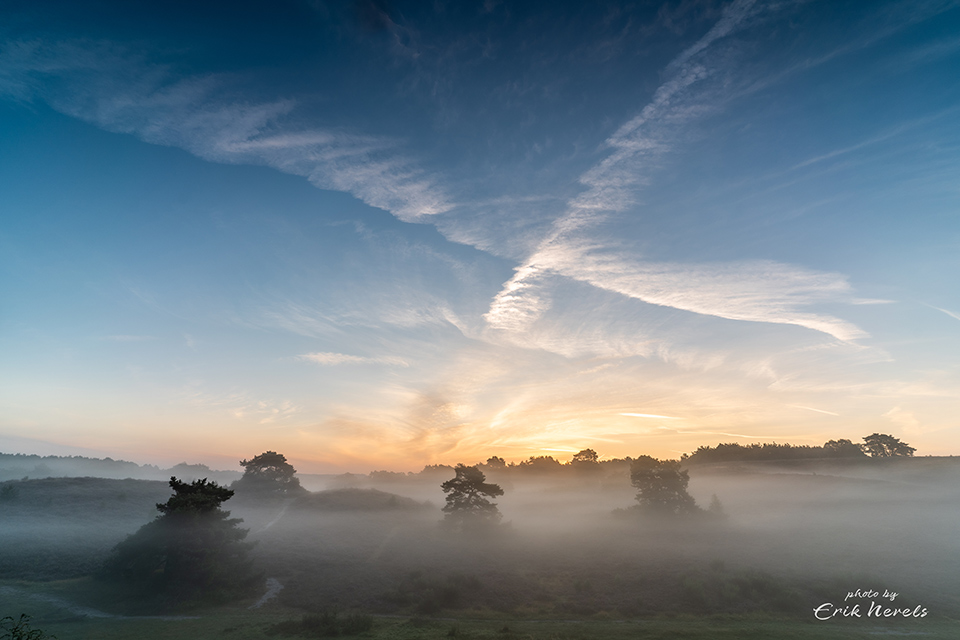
(385, 234)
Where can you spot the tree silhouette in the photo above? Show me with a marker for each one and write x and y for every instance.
(881, 445)
(467, 505)
(268, 474)
(843, 448)
(662, 486)
(192, 549)
(496, 463)
(540, 464)
(585, 457)
(20, 629)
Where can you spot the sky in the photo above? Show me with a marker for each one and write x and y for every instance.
(383, 234)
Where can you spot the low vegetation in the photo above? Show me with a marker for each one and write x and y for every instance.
(374, 560)
(192, 552)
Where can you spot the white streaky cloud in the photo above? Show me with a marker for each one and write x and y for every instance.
(733, 17)
(688, 358)
(927, 53)
(723, 433)
(331, 359)
(883, 136)
(650, 415)
(904, 419)
(596, 369)
(641, 141)
(829, 413)
(113, 89)
(240, 405)
(128, 338)
(955, 316)
(754, 291)
(521, 302)
(757, 291)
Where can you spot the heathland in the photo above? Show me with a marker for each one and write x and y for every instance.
(573, 556)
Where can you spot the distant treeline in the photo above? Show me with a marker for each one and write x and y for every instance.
(757, 452)
(15, 466)
(587, 462)
(876, 445)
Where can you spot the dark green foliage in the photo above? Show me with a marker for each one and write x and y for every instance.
(195, 499)
(59, 528)
(587, 456)
(467, 506)
(843, 448)
(430, 595)
(662, 486)
(268, 475)
(436, 471)
(496, 463)
(9, 492)
(880, 445)
(192, 550)
(324, 625)
(757, 452)
(20, 629)
(389, 476)
(736, 591)
(540, 464)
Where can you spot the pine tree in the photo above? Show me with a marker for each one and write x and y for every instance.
(467, 506)
(268, 474)
(662, 486)
(192, 549)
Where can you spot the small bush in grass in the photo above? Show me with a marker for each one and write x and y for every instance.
(20, 629)
(356, 623)
(324, 625)
(9, 493)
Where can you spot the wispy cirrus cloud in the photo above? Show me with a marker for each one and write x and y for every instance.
(824, 411)
(952, 314)
(756, 291)
(330, 358)
(111, 87)
(106, 85)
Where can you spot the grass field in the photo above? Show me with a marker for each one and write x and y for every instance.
(48, 604)
(565, 567)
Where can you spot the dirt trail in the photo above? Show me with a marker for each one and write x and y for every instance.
(273, 588)
(286, 504)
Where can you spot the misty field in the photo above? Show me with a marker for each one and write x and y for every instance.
(368, 558)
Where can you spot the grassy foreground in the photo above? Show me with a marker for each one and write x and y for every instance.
(53, 609)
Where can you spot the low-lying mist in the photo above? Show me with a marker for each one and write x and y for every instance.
(782, 538)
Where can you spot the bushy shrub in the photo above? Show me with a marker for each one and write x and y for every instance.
(9, 492)
(192, 551)
(20, 629)
(327, 624)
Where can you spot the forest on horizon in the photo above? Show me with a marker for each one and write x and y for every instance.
(880, 446)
